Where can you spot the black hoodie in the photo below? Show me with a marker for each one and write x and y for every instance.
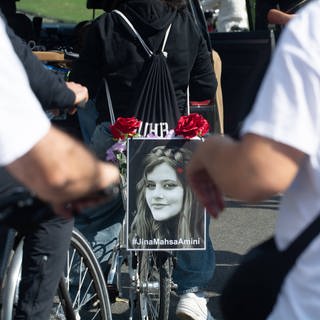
(112, 51)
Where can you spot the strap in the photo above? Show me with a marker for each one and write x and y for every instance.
(188, 101)
(149, 52)
(110, 107)
(297, 6)
(303, 240)
(147, 49)
(165, 40)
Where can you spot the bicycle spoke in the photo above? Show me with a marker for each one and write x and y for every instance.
(85, 284)
(154, 286)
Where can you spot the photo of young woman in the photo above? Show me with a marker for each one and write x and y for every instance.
(164, 212)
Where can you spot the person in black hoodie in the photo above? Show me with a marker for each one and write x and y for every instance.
(110, 52)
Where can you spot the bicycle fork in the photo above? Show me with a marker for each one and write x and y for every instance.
(11, 281)
(116, 290)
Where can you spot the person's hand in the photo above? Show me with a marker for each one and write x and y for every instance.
(107, 189)
(206, 191)
(81, 95)
(94, 199)
(204, 187)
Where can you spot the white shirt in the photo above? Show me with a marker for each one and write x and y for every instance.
(22, 121)
(287, 109)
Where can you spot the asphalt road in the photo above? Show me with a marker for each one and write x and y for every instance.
(238, 228)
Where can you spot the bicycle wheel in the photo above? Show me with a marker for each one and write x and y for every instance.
(154, 285)
(85, 283)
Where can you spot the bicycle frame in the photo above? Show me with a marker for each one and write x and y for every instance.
(119, 255)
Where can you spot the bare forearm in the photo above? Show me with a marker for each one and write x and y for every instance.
(222, 159)
(59, 169)
(249, 170)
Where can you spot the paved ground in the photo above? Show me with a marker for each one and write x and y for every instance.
(240, 226)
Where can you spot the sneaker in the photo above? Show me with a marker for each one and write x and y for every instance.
(193, 306)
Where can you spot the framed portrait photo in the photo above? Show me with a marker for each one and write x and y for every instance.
(162, 211)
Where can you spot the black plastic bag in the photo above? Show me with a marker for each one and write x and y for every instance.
(253, 288)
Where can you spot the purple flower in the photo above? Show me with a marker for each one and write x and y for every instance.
(152, 135)
(171, 134)
(110, 156)
(120, 146)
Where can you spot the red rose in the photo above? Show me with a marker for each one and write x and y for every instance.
(125, 127)
(191, 126)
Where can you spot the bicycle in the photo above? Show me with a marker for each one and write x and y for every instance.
(150, 276)
(82, 291)
(150, 281)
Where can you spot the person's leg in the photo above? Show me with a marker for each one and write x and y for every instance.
(193, 271)
(101, 140)
(101, 227)
(47, 239)
(87, 117)
(44, 256)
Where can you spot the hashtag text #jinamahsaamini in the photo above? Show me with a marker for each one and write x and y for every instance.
(166, 242)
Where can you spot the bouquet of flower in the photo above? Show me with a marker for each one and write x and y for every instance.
(188, 127)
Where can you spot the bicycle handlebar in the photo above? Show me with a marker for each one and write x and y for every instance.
(16, 196)
(20, 197)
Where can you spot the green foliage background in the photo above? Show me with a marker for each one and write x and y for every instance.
(72, 10)
(62, 10)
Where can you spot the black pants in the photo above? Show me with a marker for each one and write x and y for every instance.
(44, 257)
(47, 239)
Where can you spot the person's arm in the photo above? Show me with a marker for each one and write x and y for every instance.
(59, 169)
(60, 95)
(49, 162)
(251, 169)
(276, 16)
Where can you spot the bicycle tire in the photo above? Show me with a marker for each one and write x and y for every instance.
(155, 284)
(85, 282)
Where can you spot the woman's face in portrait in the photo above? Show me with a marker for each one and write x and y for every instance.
(164, 192)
